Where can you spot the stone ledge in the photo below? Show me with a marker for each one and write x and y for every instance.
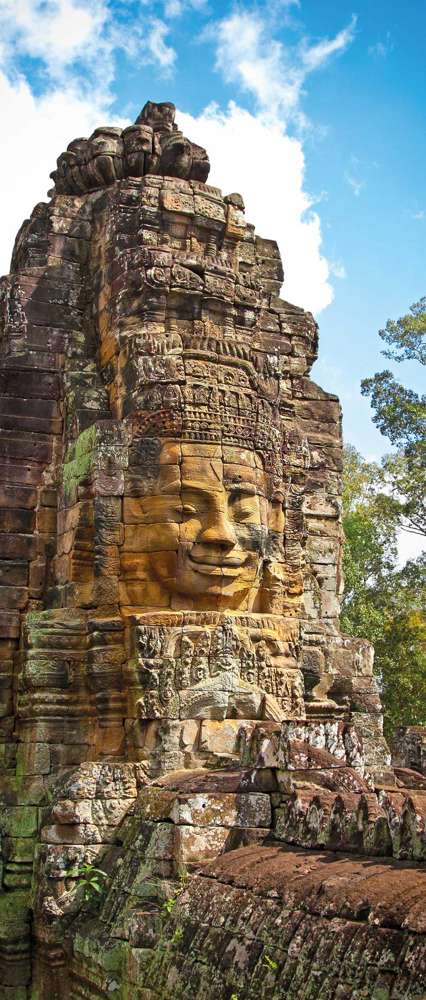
(383, 893)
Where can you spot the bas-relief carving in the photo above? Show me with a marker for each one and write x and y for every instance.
(197, 469)
(169, 547)
(223, 667)
(198, 543)
(203, 516)
(199, 540)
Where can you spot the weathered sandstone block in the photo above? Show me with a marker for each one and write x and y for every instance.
(173, 682)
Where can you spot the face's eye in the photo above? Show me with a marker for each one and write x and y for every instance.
(184, 510)
(243, 505)
(188, 509)
(193, 502)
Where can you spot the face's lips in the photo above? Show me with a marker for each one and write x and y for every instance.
(208, 570)
(225, 567)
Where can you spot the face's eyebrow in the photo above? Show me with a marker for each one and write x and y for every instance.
(171, 489)
(248, 488)
(235, 487)
(196, 487)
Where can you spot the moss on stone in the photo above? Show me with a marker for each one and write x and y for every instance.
(14, 914)
(79, 459)
(20, 821)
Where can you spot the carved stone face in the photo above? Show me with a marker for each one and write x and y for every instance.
(198, 541)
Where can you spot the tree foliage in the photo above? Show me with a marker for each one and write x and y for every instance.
(403, 491)
(382, 603)
(401, 651)
(406, 335)
(400, 414)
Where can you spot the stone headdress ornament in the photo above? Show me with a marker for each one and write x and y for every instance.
(153, 145)
(199, 353)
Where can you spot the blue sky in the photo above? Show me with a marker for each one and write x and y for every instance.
(314, 110)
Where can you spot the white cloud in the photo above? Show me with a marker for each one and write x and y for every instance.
(248, 152)
(355, 184)
(35, 132)
(418, 216)
(159, 51)
(252, 152)
(252, 155)
(59, 32)
(337, 269)
(314, 56)
(175, 8)
(76, 43)
(78, 40)
(273, 73)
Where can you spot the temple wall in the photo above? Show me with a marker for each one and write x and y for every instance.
(174, 686)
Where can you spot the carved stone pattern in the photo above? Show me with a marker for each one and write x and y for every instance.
(174, 683)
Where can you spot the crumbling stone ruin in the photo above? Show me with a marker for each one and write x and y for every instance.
(198, 801)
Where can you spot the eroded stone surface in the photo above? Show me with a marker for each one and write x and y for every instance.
(173, 682)
(265, 922)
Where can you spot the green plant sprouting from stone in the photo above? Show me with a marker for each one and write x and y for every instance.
(171, 901)
(270, 962)
(177, 936)
(169, 904)
(92, 880)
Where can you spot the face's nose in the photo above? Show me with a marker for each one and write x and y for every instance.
(218, 531)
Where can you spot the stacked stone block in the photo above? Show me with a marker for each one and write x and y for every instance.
(174, 686)
(265, 915)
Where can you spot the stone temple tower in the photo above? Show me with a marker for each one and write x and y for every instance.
(179, 708)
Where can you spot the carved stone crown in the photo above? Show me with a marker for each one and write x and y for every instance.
(153, 145)
(211, 400)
